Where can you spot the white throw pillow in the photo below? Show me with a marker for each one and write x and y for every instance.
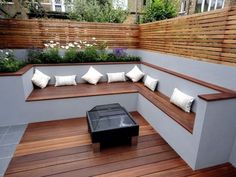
(116, 77)
(92, 76)
(135, 74)
(40, 79)
(182, 100)
(151, 83)
(65, 80)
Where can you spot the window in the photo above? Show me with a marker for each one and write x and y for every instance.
(123, 4)
(58, 5)
(207, 5)
(212, 6)
(6, 2)
(144, 2)
(198, 6)
(57, 1)
(58, 8)
(183, 7)
(220, 4)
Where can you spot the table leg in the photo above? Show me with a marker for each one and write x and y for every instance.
(96, 147)
(134, 140)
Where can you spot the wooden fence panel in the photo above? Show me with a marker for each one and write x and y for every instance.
(210, 35)
(34, 33)
(207, 36)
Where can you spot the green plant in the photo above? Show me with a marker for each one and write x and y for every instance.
(35, 56)
(70, 55)
(101, 50)
(51, 56)
(8, 63)
(91, 54)
(51, 53)
(160, 10)
(96, 11)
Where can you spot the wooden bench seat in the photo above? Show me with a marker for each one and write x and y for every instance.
(163, 103)
(85, 90)
(81, 90)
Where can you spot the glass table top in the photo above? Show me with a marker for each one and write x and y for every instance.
(110, 116)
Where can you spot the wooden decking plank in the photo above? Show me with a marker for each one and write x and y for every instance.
(146, 169)
(146, 154)
(109, 167)
(224, 171)
(55, 157)
(144, 142)
(30, 165)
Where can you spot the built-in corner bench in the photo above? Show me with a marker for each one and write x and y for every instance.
(86, 90)
(193, 135)
(157, 98)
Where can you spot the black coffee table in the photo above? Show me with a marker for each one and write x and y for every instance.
(111, 122)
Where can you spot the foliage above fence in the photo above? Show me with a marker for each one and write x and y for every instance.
(34, 33)
(210, 35)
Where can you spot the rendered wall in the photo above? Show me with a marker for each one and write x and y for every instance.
(14, 90)
(183, 142)
(168, 82)
(233, 154)
(193, 148)
(218, 74)
(218, 133)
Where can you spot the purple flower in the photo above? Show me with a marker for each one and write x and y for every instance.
(119, 52)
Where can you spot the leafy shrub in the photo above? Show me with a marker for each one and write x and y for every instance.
(159, 10)
(35, 56)
(96, 11)
(70, 55)
(51, 56)
(8, 63)
(90, 54)
(101, 50)
(127, 58)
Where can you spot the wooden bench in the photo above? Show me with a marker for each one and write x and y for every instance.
(158, 99)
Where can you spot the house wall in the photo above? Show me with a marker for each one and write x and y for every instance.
(192, 5)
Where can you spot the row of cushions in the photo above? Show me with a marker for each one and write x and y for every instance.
(178, 98)
(92, 76)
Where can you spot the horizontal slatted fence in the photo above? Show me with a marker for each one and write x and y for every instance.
(210, 35)
(34, 33)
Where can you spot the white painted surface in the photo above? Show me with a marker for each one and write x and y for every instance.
(176, 136)
(168, 82)
(233, 154)
(218, 74)
(218, 133)
(193, 148)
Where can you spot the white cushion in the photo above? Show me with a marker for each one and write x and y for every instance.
(151, 83)
(182, 100)
(65, 80)
(92, 76)
(135, 74)
(40, 79)
(116, 77)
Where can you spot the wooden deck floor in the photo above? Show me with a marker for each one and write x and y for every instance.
(63, 148)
